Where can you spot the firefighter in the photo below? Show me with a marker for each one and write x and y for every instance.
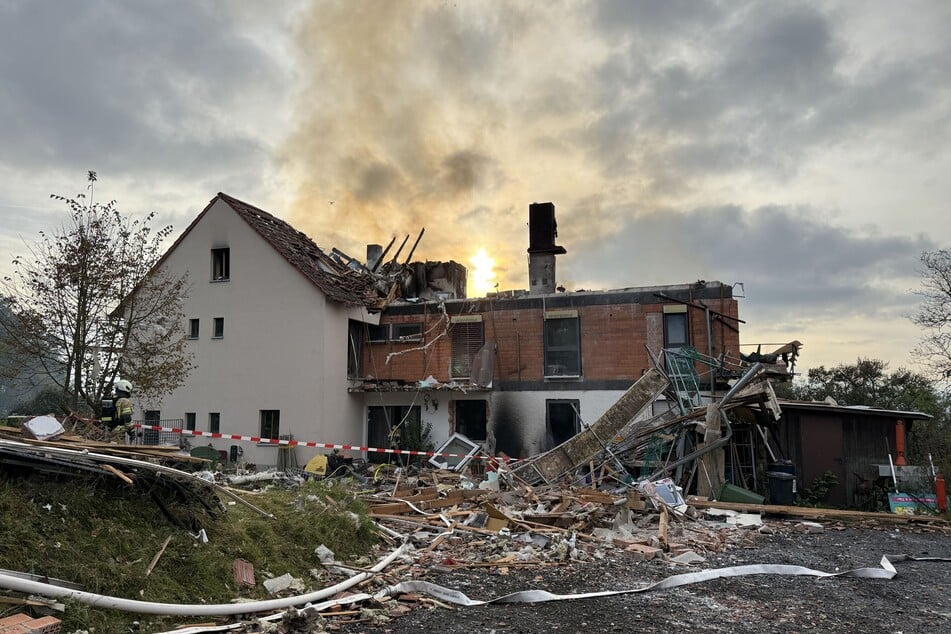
(123, 411)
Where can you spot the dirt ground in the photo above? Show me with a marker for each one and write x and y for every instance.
(918, 599)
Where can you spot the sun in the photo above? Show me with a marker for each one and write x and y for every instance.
(482, 279)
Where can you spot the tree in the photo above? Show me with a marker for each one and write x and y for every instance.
(88, 308)
(934, 314)
(868, 383)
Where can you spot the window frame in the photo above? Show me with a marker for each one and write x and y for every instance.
(269, 419)
(552, 319)
(377, 333)
(191, 421)
(221, 264)
(218, 333)
(214, 422)
(466, 336)
(676, 313)
(194, 328)
(415, 334)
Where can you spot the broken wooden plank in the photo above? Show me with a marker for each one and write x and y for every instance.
(813, 513)
(590, 442)
(110, 469)
(158, 556)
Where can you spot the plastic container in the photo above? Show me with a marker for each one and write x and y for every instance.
(784, 466)
(732, 493)
(781, 489)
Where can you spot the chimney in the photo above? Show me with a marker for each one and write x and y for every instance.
(374, 253)
(542, 231)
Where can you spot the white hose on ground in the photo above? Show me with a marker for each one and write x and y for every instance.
(9, 582)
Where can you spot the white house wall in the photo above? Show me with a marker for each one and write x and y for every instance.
(284, 344)
(516, 420)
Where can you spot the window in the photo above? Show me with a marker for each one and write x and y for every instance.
(562, 345)
(220, 264)
(219, 328)
(270, 423)
(470, 419)
(214, 422)
(561, 420)
(676, 333)
(466, 337)
(378, 334)
(190, 421)
(193, 329)
(407, 332)
(356, 335)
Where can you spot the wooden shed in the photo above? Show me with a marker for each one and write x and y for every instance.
(849, 441)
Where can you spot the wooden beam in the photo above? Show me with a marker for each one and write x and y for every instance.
(813, 513)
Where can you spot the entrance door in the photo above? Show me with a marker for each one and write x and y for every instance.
(561, 420)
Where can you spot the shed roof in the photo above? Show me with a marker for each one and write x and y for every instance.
(854, 410)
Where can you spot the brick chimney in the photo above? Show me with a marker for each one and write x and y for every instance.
(542, 231)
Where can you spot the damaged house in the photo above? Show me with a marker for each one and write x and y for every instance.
(291, 341)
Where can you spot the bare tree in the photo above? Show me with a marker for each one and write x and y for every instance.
(87, 306)
(934, 314)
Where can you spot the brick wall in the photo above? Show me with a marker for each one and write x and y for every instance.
(614, 338)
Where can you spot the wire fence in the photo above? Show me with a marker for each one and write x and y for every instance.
(154, 437)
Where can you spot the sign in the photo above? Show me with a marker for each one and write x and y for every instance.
(904, 504)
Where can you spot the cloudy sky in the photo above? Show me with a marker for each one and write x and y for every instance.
(802, 150)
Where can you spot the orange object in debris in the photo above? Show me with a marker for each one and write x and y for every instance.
(900, 443)
(941, 493)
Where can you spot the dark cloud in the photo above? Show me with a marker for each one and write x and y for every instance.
(147, 87)
(760, 89)
(790, 260)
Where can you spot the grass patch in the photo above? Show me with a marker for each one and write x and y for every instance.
(103, 535)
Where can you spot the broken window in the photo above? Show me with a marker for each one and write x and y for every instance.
(676, 333)
(378, 334)
(356, 333)
(471, 419)
(220, 264)
(407, 332)
(193, 329)
(562, 344)
(214, 422)
(561, 420)
(190, 421)
(219, 328)
(467, 337)
(270, 423)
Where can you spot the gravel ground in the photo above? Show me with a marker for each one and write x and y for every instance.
(918, 599)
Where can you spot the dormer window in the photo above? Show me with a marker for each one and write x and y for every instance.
(220, 264)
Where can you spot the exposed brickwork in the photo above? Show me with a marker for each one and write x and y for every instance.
(614, 339)
(25, 624)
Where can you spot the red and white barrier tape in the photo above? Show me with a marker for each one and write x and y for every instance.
(302, 443)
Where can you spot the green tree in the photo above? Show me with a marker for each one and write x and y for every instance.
(86, 307)
(934, 314)
(868, 382)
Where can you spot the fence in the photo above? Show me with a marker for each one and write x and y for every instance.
(153, 437)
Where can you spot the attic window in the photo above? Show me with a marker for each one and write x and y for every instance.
(220, 264)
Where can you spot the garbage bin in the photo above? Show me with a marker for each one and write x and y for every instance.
(784, 466)
(732, 493)
(781, 488)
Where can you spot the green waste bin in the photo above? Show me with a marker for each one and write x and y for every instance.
(732, 493)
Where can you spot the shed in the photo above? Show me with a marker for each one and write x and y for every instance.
(850, 441)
